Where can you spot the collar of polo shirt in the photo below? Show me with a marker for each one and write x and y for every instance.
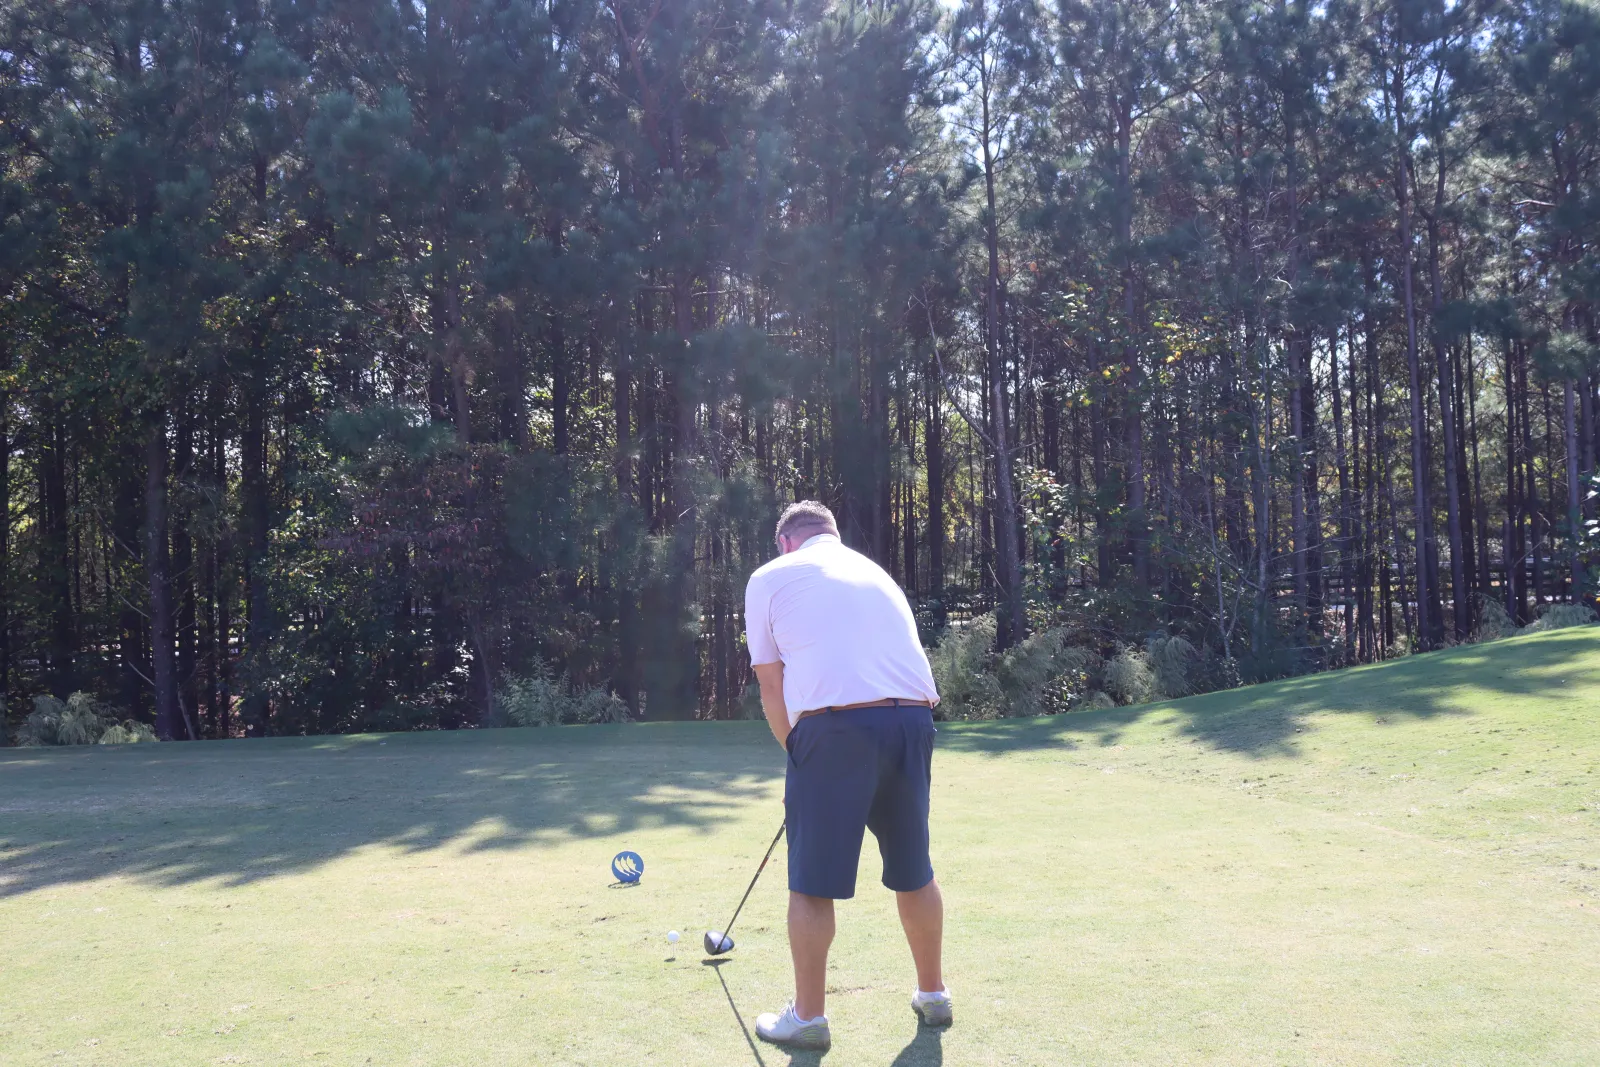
(815, 538)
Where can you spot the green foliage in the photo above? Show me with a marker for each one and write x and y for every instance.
(1559, 617)
(1042, 675)
(541, 698)
(1167, 667)
(467, 355)
(81, 719)
(962, 670)
(750, 703)
(1130, 678)
(1493, 621)
(127, 732)
(1172, 660)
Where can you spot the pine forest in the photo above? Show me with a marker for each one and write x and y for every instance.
(429, 364)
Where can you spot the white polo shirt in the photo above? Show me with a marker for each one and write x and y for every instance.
(840, 626)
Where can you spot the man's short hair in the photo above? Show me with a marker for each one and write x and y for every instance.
(806, 515)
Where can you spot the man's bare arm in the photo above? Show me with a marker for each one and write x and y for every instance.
(770, 675)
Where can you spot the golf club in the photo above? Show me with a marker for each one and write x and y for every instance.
(718, 941)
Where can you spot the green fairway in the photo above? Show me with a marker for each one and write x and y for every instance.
(1393, 864)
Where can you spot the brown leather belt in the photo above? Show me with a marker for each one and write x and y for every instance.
(890, 701)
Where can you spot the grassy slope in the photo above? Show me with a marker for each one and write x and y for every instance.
(1394, 864)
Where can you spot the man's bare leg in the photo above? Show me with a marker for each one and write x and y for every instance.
(922, 916)
(810, 936)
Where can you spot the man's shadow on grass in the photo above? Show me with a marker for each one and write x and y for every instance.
(925, 1050)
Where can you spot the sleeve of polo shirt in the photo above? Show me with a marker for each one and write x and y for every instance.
(758, 623)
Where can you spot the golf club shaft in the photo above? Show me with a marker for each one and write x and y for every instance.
(727, 931)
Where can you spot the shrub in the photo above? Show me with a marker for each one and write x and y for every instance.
(540, 698)
(127, 732)
(79, 720)
(1559, 617)
(1172, 660)
(961, 664)
(1094, 700)
(1493, 622)
(1037, 676)
(1130, 677)
(1213, 670)
(1046, 674)
(750, 703)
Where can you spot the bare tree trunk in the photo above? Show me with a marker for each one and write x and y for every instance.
(163, 672)
(1513, 549)
(257, 516)
(5, 537)
(627, 676)
(907, 485)
(933, 449)
(1346, 575)
(1133, 429)
(1419, 460)
(1480, 505)
(1574, 513)
(1011, 626)
(57, 552)
(183, 574)
(1447, 418)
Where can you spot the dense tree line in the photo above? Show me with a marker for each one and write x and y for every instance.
(356, 355)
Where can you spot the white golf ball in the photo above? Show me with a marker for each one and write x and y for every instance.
(672, 937)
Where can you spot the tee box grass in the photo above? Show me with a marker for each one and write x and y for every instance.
(1394, 864)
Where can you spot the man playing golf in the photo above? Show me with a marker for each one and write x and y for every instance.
(847, 690)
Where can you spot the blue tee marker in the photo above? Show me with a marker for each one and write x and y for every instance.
(627, 867)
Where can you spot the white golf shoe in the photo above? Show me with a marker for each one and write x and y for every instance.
(788, 1029)
(933, 1008)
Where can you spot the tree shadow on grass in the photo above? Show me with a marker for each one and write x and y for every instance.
(1262, 720)
(241, 811)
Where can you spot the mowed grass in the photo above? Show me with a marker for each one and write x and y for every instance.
(1390, 865)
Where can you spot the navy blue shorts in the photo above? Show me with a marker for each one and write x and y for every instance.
(851, 771)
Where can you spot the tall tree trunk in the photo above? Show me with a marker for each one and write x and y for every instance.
(57, 553)
(1011, 626)
(256, 511)
(1105, 572)
(1298, 344)
(1537, 526)
(1480, 504)
(626, 680)
(1419, 459)
(1447, 418)
(1346, 573)
(223, 552)
(907, 484)
(560, 388)
(183, 574)
(933, 449)
(5, 538)
(1138, 519)
(1513, 549)
(683, 682)
(1587, 407)
(1574, 512)
(163, 669)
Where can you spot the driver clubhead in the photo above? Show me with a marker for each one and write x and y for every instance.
(717, 943)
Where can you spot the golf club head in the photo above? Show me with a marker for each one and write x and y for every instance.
(717, 943)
